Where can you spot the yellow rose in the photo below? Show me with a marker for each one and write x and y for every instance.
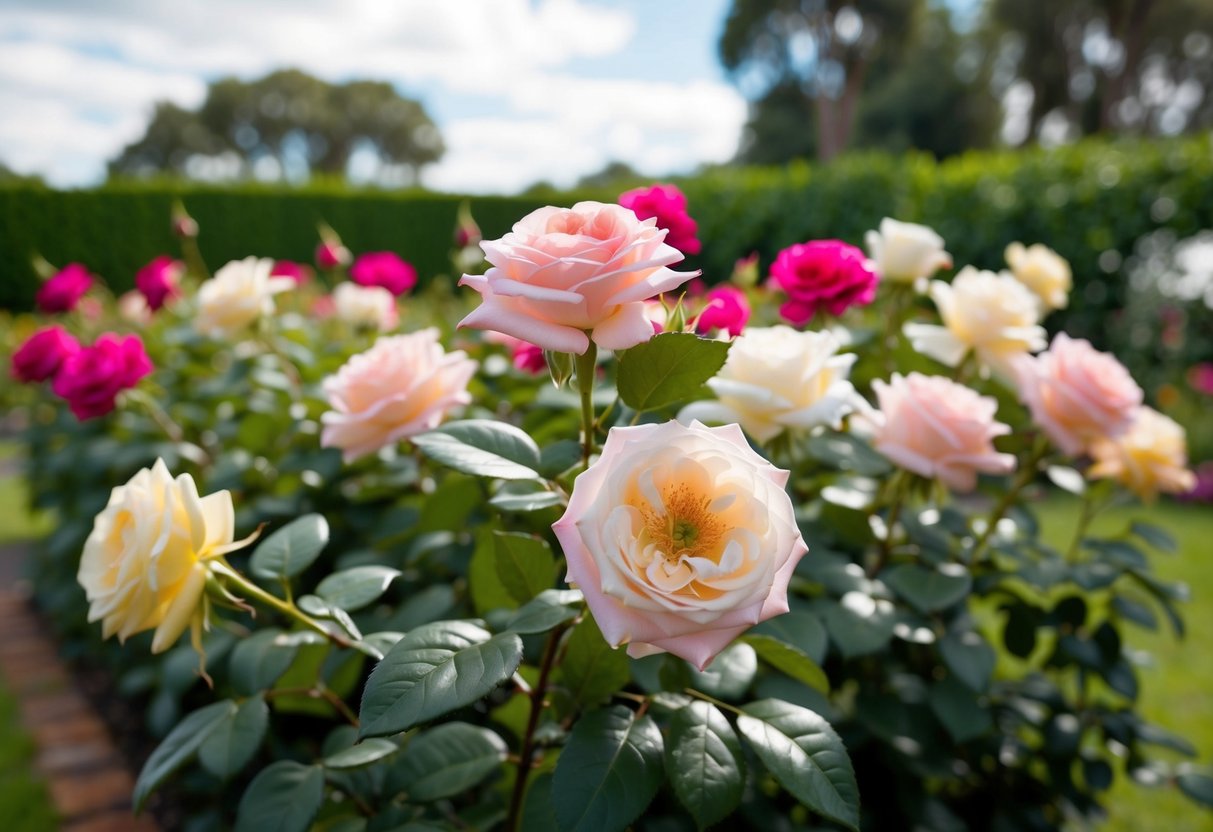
(144, 564)
(238, 294)
(1042, 270)
(1150, 457)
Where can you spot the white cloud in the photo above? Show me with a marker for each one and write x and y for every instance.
(80, 79)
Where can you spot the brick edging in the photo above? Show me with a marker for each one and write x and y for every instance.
(85, 774)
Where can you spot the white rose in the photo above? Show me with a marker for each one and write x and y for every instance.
(238, 294)
(144, 564)
(1042, 270)
(778, 379)
(369, 306)
(994, 315)
(905, 252)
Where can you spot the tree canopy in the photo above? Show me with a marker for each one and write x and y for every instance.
(287, 125)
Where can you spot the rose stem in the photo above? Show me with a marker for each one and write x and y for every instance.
(537, 694)
(1027, 473)
(585, 385)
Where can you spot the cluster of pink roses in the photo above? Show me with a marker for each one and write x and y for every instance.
(88, 378)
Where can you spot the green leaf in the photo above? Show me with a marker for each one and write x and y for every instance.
(608, 772)
(592, 670)
(958, 710)
(1156, 536)
(847, 453)
(788, 659)
(483, 447)
(704, 763)
(447, 760)
(928, 590)
(1197, 787)
(1067, 479)
(291, 549)
(545, 611)
(487, 592)
(537, 812)
(178, 747)
(860, 624)
(525, 564)
(805, 755)
(353, 589)
(363, 754)
(970, 658)
(232, 743)
(727, 677)
(668, 368)
(284, 797)
(802, 630)
(435, 669)
(258, 661)
(523, 496)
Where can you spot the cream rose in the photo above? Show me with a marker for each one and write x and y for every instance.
(778, 379)
(937, 428)
(1077, 394)
(680, 537)
(994, 315)
(1150, 457)
(402, 386)
(238, 294)
(145, 563)
(1042, 270)
(565, 276)
(904, 252)
(367, 306)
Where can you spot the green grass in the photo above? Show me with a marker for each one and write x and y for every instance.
(1177, 691)
(24, 803)
(16, 521)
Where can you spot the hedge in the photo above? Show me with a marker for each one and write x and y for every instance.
(1090, 201)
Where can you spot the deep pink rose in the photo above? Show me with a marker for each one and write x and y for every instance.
(330, 255)
(564, 272)
(297, 272)
(63, 291)
(386, 269)
(1200, 378)
(668, 206)
(529, 358)
(1077, 394)
(158, 280)
(822, 274)
(727, 309)
(91, 378)
(43, 353)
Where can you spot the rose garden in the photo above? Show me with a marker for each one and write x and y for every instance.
(587, 533)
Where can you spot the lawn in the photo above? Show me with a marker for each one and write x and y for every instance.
(1177, 691)
(24, 803)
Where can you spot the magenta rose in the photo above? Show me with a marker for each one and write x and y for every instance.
(297, 272)
(157, 281)
(63, 291)
(386, 269)
(91, 378)
(668, 206)
(332, 255)
(822, 274)
(727, 309)
(43, 353)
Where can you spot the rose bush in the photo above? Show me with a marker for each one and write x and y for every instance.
(456, 552)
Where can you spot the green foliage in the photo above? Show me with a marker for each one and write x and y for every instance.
(669, 368)
(705, 763)
(24, 801)
(291, 549)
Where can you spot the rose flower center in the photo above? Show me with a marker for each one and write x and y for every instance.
(684, 525)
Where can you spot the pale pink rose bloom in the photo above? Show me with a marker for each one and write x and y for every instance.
(1077, 394)
(402, 386)
(681, 538)
(132, 306)
(564, 272)
(937, 428)
(1151, 456)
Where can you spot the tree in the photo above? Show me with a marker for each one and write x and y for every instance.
(285, 125)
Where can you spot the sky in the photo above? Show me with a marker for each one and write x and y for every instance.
(521, 90)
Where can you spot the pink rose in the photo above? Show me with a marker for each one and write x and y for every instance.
(63, 291)
(727, 309)
(91, 378)
(529, 358)
(332, 255)
(564, 271)
(667, 205)
(297, 272)
(132, 306)
(937, 428)
(385, 269)
(681, 538)
(1077, 394)
(402, 386)
(42, 354)
(822, 274)
(1200, 378)
(157, 281)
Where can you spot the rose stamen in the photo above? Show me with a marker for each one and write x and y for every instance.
(684, 526)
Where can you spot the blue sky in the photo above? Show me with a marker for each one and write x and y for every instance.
(522, 90)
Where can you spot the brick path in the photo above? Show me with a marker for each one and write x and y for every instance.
(84, 772)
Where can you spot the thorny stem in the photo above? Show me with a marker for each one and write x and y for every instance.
(713, 700)
(319, 692)
(525, 757)
(898, 486)
(585, 386)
